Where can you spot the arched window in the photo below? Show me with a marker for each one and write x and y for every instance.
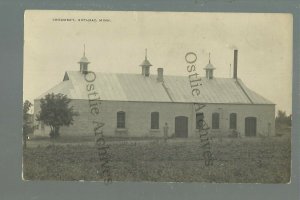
(232, 121)
(215, 120)
(154, 120)
(120, 119)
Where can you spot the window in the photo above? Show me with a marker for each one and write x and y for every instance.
(120, 119)
(215, 120)
(232, 121)
(154, 120)
(199, 120)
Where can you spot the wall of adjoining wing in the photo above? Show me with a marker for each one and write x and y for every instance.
(137, 122)
(264, 114)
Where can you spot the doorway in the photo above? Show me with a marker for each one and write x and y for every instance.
(250, 126)
(181, 126)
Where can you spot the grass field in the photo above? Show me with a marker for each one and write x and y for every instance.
(237, 160)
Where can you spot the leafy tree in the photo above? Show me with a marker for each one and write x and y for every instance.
(282, 119)
(55, 112)
(27, 123)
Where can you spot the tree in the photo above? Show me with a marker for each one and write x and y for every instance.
(282, 119)
(27, 122)
(56, 112)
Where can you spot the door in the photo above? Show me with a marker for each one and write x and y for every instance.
(250, 126)
(181, 126)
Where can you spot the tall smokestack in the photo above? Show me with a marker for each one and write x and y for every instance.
(235, 60)
(160, 74)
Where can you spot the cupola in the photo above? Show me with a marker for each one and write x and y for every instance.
(209, 69)
(83, 63)
(146, 66)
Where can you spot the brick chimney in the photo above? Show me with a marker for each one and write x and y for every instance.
(235, 61)
(160, 75)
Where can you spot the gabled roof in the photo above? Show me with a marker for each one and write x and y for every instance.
(135, 87)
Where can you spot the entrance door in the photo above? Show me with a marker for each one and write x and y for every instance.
(181, 126)
(250, 126)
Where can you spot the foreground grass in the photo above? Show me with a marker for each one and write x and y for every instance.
(246, 160)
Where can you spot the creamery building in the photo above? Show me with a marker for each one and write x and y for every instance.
(139, 105)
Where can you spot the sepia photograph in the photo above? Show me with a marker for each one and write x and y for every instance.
(137, 96)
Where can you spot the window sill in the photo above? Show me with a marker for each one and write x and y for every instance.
(121, 129)
(154, 130)
(202, 130)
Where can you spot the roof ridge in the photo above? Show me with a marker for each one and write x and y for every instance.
(150, 74)
(252, 93)
(167, 91)
(238, 83)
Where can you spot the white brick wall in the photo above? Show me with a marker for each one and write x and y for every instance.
(264, 113)
(138, 115)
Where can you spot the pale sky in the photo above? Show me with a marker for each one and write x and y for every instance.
(264, 42)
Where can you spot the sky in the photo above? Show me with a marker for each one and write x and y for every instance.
(115, 42)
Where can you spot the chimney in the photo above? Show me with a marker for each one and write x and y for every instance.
(235, 60)
(160, 74)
